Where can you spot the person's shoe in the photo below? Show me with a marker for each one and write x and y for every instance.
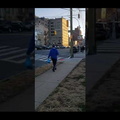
(53, 70)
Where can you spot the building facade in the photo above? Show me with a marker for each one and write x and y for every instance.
(77, 36)
(58, 32)
(41, 31)
(107, 14)
(17, 14)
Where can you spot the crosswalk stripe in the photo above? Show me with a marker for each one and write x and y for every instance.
(19, 61)
(44, 58)
(12, 52)
(23, 60)
(37, 56)
(3, 47)
(16, 56)
(9, 49)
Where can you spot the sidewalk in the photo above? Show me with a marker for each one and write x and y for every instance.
(108, 53)
(47, 82)
(32, 97)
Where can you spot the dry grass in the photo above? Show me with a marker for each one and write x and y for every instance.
(16, 84)
(69, 96)
(105, 96)
(41, 70)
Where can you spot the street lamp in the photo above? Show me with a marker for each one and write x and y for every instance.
(77, 21)
(71, 34)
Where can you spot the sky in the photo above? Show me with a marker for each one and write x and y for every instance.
(65, 13)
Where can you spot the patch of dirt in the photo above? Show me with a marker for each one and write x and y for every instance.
(105, 96)
(16, 84)
(40, 70)
(69, 96)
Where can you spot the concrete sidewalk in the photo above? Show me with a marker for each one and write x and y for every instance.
(29, 99)
(47, 82)
(108, 53)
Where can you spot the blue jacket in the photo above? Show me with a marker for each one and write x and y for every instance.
(31, 46)
(53, 53)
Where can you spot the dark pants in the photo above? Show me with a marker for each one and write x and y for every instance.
(54, 61)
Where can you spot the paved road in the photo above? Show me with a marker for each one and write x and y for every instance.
(13, 53)
(42, 55)
(15, 39)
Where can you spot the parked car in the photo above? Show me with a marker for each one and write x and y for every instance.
(82, 45)
(38, 47)
(45, 47)
(28, 26)
(75, 49)
(42, 47)
(62, 47)
(17, 26)
(58, 47)
(5, 26)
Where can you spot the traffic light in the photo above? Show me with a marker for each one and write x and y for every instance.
(67, 23)
(78, 15)
(55, 32)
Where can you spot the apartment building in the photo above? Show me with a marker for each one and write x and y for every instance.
(77, 36)
(107, 14)
(41, 31)
(58, 31)
(17, 14)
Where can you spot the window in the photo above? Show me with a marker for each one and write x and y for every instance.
(52, 32)
(52, 29)
(52, 26)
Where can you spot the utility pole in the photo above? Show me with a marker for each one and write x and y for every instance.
(113, 27)
(71, 34)
(113, 30)
(91, 42)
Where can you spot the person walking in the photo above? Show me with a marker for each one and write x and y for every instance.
(30, 50)
(53, 54)
(31, 46)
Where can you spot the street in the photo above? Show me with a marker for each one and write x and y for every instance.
(42, 55)
(13, 53)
